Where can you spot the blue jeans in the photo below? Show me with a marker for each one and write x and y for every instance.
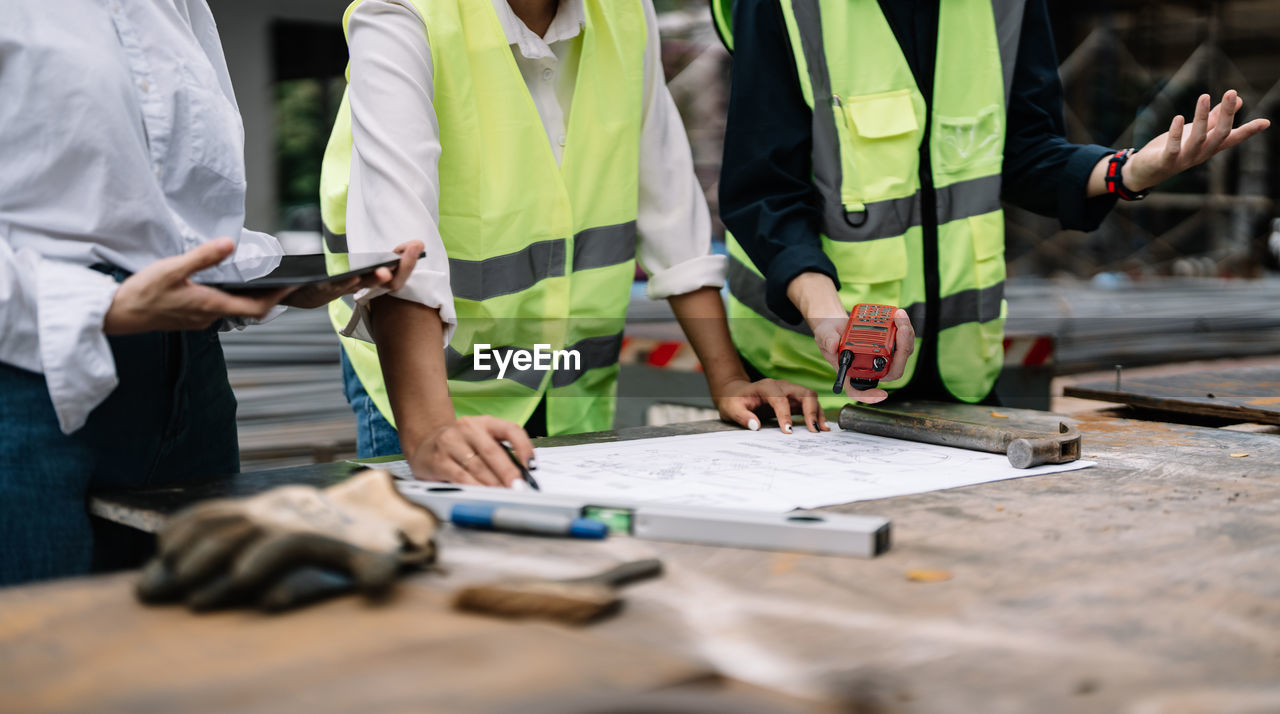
(170, 420)
(374, 434)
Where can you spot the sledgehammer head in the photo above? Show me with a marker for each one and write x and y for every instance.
(1031, 451)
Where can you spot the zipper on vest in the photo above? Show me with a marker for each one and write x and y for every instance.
(926, 24)
(930, 372)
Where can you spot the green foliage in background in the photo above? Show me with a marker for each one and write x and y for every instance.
(305, 109)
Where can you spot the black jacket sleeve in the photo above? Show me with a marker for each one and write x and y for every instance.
(767, 197)
(1043, 172)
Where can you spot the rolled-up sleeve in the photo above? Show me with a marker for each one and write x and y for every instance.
(395, 188)
(51, 316)
(265, 250)
(673, 222)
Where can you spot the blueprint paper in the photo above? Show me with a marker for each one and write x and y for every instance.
(767, 470)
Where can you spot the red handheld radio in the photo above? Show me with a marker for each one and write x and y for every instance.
(866, 347)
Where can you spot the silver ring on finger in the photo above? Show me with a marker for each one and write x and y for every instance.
(464, 460)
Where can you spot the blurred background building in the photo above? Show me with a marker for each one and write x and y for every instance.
(1193, 264)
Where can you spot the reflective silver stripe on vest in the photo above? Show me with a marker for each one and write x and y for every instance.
(604, 246)
(1008, 14)
(882, 219)
(967, 199)
(521, 270)
(462, 368)
(335, 242)
(595, 352)
(978, 305)
(507, 274)
(749, 289)
(886, 219)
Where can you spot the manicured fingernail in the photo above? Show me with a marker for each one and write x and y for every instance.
(786, 428)
(533, 463)
(754, 425)
(519, 485)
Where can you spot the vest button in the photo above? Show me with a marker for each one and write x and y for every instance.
(548, 73)
(563, 140)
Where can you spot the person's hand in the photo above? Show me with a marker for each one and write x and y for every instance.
(469, 450)
(826, 333)
(313, 296)
(739, 399)
(162, 296)
(1177, 150)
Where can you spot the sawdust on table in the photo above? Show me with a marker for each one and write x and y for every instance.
(928, 576)
(1139, 432)
(1263, 401)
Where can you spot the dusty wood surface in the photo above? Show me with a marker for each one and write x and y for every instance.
(1146, 584)
(1245, 395)
(85, 645)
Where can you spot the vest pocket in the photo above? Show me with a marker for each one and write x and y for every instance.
(880, 146)
(989, 275)
(987, 232)
(970, 144)
(870, 271)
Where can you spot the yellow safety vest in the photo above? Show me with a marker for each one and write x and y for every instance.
(539, 254)
(869, 122)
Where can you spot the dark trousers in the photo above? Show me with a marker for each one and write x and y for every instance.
(171, 419)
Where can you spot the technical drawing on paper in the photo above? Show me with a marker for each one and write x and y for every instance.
(768, 470)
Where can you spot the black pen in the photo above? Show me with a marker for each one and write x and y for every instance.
(524, 472)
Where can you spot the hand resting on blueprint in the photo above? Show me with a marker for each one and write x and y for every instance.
(740, 399)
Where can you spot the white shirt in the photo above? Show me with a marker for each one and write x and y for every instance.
(121, 144)
(395, 187)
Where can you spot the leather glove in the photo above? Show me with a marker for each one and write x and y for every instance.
(290, 545)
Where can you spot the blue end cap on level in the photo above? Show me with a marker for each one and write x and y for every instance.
(472, 515)
(587, 528)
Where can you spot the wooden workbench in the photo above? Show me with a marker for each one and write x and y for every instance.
(1147, 584)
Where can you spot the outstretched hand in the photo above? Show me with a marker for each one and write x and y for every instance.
(1178, 149)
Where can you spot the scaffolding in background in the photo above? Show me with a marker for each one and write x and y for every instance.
(1128, 68)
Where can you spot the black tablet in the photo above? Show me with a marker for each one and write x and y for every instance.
(286, 271)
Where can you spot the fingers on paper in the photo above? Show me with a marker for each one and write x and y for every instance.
(739, 411)
(773, 394)
(807, 400)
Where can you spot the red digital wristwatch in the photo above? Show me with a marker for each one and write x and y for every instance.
(1115, 177)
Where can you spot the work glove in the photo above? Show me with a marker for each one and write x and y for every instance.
(289, 546)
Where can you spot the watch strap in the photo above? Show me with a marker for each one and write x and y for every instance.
(1114, 177)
